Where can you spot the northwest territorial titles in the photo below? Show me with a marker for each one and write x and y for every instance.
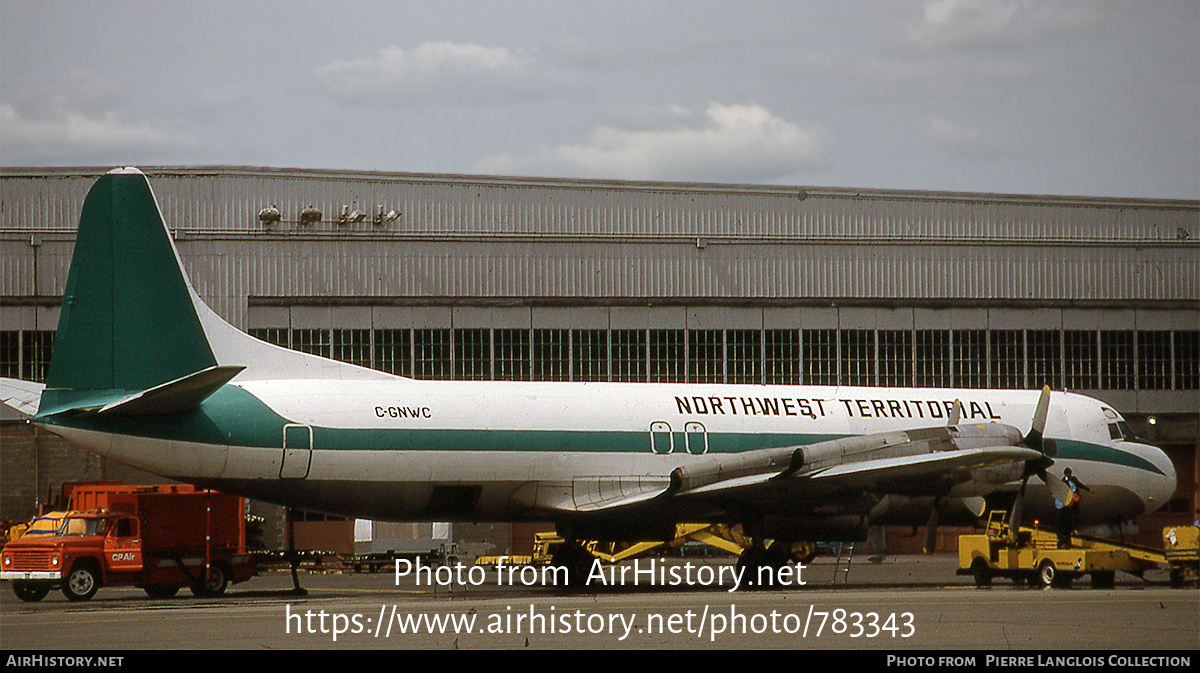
(640, 572)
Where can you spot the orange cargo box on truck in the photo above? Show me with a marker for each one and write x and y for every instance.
(159, 538)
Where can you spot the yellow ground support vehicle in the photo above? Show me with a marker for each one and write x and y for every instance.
(1031, 555)
(1182, 545)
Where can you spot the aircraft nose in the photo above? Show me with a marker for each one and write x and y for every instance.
(1163, 485)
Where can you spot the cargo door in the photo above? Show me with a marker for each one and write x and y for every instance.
(297, 451)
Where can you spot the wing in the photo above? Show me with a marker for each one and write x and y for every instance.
(908, 462)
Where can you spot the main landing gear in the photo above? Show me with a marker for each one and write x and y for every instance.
(770, 565)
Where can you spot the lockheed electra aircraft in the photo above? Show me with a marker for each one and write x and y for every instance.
(145, 373)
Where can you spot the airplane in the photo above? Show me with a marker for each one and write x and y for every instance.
(145, 373)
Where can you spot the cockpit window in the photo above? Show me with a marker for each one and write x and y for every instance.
(1120, 431)
(1126, 431)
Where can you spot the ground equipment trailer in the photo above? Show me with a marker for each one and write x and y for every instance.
(1032, 555)
(159, 538)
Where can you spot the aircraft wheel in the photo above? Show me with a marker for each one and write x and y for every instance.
(30, 592)
(82, 583)
(748, 563)
(981, 572)
(578, 563)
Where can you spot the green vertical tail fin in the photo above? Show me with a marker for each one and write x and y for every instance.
(127, 322)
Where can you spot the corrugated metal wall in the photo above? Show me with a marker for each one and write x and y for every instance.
(523, 238)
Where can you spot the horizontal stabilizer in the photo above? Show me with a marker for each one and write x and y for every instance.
(24, 397)
(173, 397)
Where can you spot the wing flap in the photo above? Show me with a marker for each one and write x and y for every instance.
(871, 474)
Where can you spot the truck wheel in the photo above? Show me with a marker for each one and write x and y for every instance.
(981, 572)
(162, 591)
(215, 585)
(1047, 574)
(30, 592)
(82, 583)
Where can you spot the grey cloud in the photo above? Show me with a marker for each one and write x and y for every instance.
(440, 73)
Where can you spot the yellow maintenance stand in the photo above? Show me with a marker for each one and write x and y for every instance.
(1031, 555)
(717, 536)
(713, 535)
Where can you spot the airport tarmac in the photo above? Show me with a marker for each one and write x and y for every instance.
(907, 602)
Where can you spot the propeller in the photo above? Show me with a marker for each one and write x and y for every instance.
(931, 525)
(1037, 466)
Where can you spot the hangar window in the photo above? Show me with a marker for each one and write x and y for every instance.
(10, 354)
(590, 348)
(472, 354)
(858, 357)
(743, 361)
(26, 354)
(1045, 358)
(1007, 358)
(781, 360)
(1116, 360)
(969, 364)
(36, 347)
(1154, 360)
(706, 356)
(667, 355)
(313, 341)
(629, 355)
(512, 354)
(431, 354)
(1081, 359)
(1187, 360)
(820, 356)
(353, 346)
(895, 358)
(551, 355)
(932, 358)
(273, 335)
(393, 351)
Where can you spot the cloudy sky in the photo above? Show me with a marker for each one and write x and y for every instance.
(1095, 97)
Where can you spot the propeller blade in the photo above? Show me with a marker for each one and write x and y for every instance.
(1014, 516)
(1034, 439)
(1058, 488)
(931, 531)
(955, 413)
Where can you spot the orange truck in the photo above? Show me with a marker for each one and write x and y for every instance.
(159, 538)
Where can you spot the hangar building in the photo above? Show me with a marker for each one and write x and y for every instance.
(471, 277)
